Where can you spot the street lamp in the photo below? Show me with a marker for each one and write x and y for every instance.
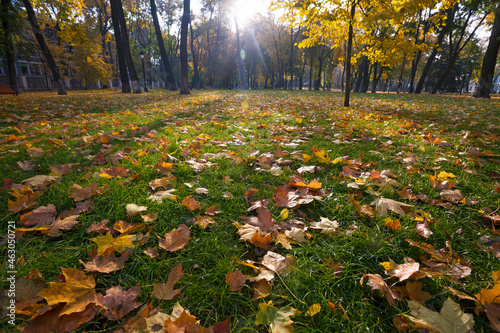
(141, 54)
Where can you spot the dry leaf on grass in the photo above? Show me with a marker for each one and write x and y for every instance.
(176, 240)
(166, 291)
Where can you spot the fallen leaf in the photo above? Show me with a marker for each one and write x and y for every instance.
(83, 193)
(176, 240)
(375, 281)
(204, 221)
(40, 217)
(191, 203)
(383, 205)
(65, 223)
(118, 302)
(201, 190)
(326, 226)
(313, 309)
(52, 320)
(107, 262)
(77, 291)
(451, 319)
(278, 319)
(98, 227)
(121, 243)
(166, 291)
(133, 209)
(40, 181)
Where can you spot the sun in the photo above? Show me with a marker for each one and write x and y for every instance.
(246, 10)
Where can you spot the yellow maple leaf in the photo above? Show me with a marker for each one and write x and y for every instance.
(121, 243)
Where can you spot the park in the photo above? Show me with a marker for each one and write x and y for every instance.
(308, 187)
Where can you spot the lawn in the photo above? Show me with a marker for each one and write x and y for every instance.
(249, 211)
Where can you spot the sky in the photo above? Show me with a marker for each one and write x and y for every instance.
(245, 9)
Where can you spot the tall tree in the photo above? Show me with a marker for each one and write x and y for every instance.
(122, 63)
(8, 46)
(44, 48)
(161, 45)
(243, 84)
(196, 76)
(489, 61)
(186, 16)
(136, 86)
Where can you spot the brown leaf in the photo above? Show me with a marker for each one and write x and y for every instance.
(25, 198)
(77, 291)
(191, 203)
(204, 221)
(149, 217)
(164, 167)
(407, 194)
(115, 171)
(124, 227)
(383, 205)
(107, 262)
(235, 280)
(40, 217)
(26, 165)
(166, 291)
(452, 195)
(261, 289)
(212, 210)
(162, 182)
(177, 239)
(118, 303)
(152, 253)
(65, 223)
(250, 193)
(493, 313)
(375, 281)
(53, 320)
(423, 229)
(262, 241)
(82, 193)
(184, 323)
(63, 169)
(98, 227)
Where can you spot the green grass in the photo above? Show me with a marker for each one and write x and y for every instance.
(69, 128)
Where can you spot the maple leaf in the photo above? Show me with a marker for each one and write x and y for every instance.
(25, 198)
(164, 167)
(261, 240)
(278, 264)
(107, 262)
(82, 193)
(493, 313)
(402, 271)
(212, 210)
(278, 319)
(235, 280)
(176, 240)
(392, 224)
(375, 281)
(191, 203)
(118, 302)
(66, 223)
(414, 292)
(26, 165)
(98, 227)
(52, 320)
(162, 182)
(121, 243)
(326, 226)
(383, 205)
(251, 192)
(313, 309)
(184, 323)
(124, 227)
(261, 288)
(204, 221)
(149, 217)
(166, 291)
(40, 217)
(40, 181)
(62, 169)
(451, 319)
(77, 291)
(133, 209)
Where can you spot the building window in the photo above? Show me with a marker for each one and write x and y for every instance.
(35, 69)
(2, 69)
(24, 68)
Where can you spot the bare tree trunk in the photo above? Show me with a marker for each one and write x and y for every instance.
(400, 81)
(311, 70)
(241, 70)
(375, 78)
(348, 58)
(170, 80)
(122, 63)
(61, 90)
(489, 60)
(449, 21)
(292, 43)
(196, 77)
(136, 86)
(183, 49)
(5, 16)
(365, 82)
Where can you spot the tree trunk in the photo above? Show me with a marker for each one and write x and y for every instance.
(348, 58)
(5, 16)
(136, 86)
(375, 78)
(489, 61)
(320, 71)
(196, 77)
(365, 82)
(241, 70)
(122, 63)
(442, 34)
(61, 90)
(183, 49)
(170, 80)
(311, 70)
(400, 81)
